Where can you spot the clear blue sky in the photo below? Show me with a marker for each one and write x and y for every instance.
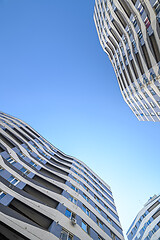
(56, 77)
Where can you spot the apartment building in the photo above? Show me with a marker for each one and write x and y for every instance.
(146, 225)
(46, 194)
(129, 32)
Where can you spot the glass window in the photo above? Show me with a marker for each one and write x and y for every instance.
(146, 95)
(109, 220)
(10, 160)
(68, 213)
(75, 179)
(154, 230)
(149, 221)
(85, 227)
(152, 92)
(85, 197)
(106, 207)
(85, 187)
(21, 155)
(2, 194)
(85, 210)
(23, 170)
(65, 235)
(27, 172)
(33, 164)
(100, 224)
(98, 209)
(74, 188)
(139, 220)
(10, 179)
(72, 199)
(96, 198)
(113, 236)
(15, 181)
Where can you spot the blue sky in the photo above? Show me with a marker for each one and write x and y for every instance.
(56, 77)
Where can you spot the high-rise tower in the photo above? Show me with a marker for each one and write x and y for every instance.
(129, 33)
(146, 224)
(46, 194)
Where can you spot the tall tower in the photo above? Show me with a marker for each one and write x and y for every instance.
(129, 33)
(146, 225)
(46, 194)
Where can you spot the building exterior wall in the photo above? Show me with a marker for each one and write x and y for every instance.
(46, 194)
(146, 225)
(129, 33)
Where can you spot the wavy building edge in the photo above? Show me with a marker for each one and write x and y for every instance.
(146, 224)
(129, 32)
(46, 194)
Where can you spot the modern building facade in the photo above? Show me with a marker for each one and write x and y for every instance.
(46, 194)
(146, 225)
(129, 33)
